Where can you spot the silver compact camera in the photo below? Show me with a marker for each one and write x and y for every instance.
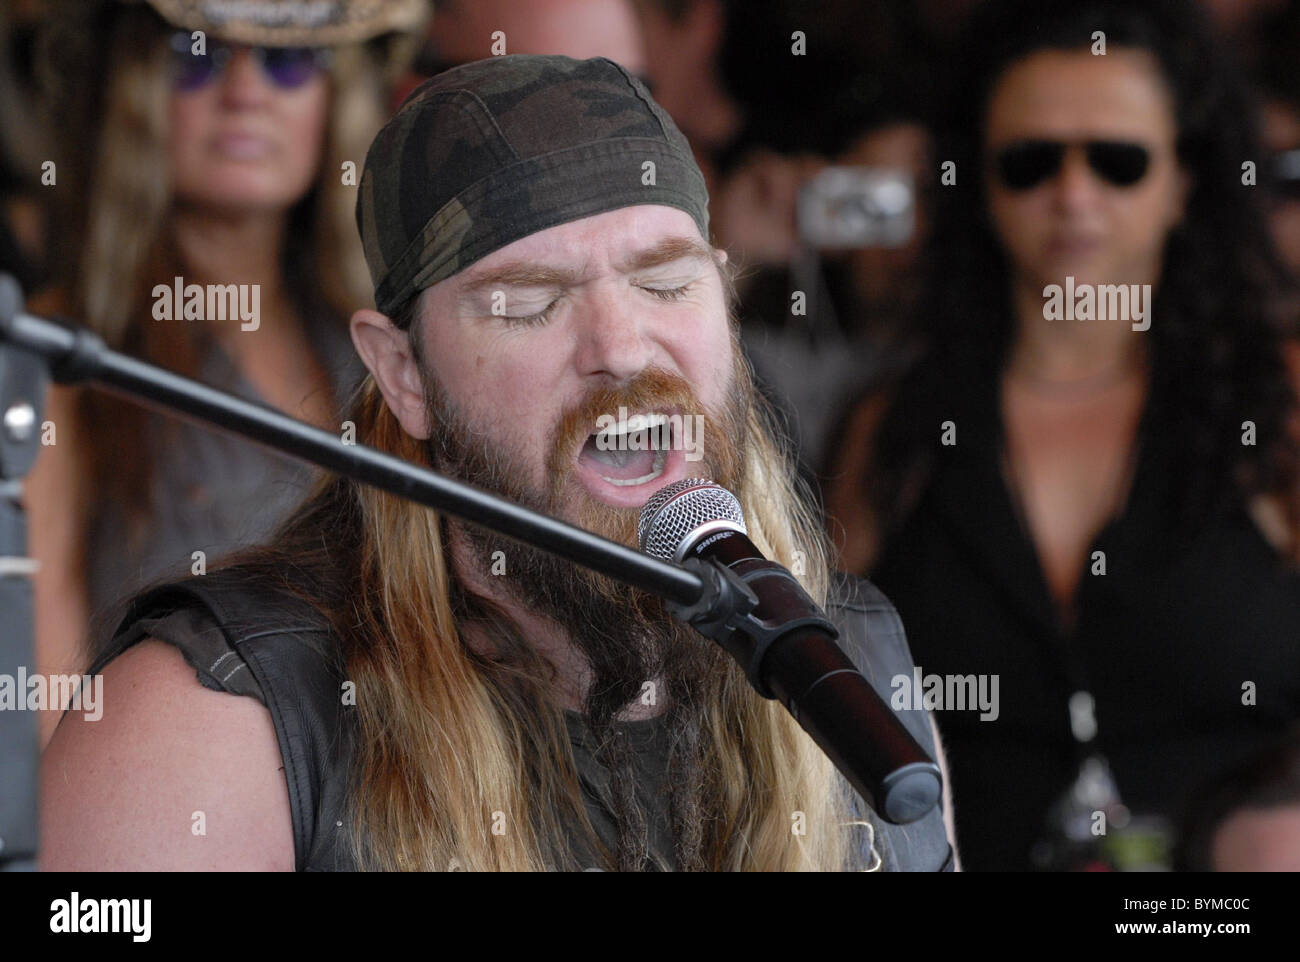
(850, 207)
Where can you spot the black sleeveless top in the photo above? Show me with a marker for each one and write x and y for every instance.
(1169, 641)
(255, 640)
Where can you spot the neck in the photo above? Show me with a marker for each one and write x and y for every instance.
(235, 248)
(1068, 351)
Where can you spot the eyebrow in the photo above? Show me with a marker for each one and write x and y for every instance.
(531, 274)
(666, 251)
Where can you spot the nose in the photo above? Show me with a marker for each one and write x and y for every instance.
(1076, 186)
(242, 82)
(612, 340)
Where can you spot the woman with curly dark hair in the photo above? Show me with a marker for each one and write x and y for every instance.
(1086, 487)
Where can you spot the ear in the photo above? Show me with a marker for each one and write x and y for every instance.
(386, 351)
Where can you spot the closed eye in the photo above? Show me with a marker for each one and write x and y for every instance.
(544, 315)
(533, 320)
(668, 293)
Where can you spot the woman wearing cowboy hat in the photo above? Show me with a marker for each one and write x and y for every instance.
(209, 150)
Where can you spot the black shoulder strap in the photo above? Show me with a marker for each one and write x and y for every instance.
(290, 652)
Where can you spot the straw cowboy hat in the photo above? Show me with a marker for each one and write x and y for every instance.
(294, 23)
(77, 33)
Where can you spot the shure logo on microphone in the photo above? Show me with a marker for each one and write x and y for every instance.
(712, 538)
(651, 432)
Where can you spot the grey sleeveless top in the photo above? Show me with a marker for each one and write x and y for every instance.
(210, 491)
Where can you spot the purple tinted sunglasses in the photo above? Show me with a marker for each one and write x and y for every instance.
(286, 67)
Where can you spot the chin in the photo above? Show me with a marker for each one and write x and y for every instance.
(238, 192)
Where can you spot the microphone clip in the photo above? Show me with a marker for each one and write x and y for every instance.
(728, 611)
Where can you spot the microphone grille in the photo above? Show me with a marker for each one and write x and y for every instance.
(677, 510)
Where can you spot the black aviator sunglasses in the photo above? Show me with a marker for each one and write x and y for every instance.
(1026, 164)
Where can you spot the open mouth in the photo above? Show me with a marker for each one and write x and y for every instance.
(631, 453)
(623, 463)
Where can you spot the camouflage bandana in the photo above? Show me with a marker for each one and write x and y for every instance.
(489, 152)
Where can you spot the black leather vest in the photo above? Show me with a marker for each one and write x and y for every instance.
(293, 667)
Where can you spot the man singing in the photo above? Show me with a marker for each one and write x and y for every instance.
(423, 694)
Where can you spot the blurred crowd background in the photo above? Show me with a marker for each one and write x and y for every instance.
(1105, 518)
